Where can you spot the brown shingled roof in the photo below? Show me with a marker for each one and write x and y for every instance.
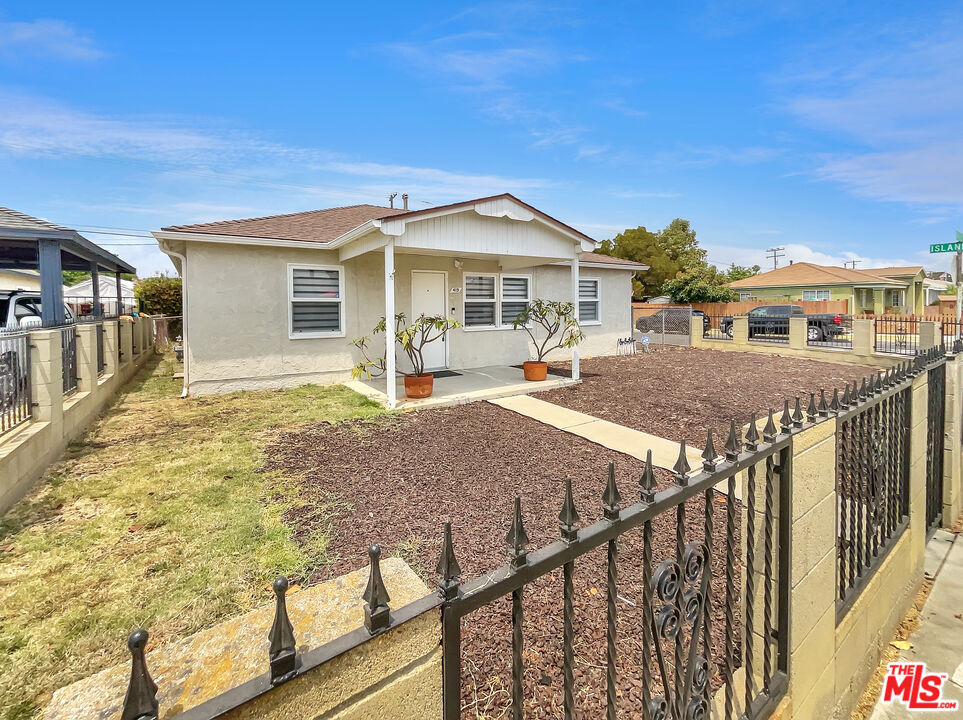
(608, 260)
(803, 273)
(893, 271)
(310, 226)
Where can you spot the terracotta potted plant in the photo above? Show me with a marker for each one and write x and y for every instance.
(412, 337)
(559, 327)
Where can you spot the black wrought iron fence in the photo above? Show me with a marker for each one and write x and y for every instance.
(769, 329)
(89, 308)
(101, 355)
(872, 476)
(830, 331)
(951, 329)
(15, 407)
(897, 334)
(68, 354)
(690, 658)
(935, 438)
(717, 327)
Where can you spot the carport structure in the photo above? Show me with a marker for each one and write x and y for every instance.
(29, 243)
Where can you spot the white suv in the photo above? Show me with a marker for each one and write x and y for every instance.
(20, 310)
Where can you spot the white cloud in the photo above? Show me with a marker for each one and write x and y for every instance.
(897, 94)
(46, 39)
(619, 105)
(723, 255)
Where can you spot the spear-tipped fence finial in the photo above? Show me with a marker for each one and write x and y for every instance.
(140, 702)
(680, 471)
(752, 433)
(847, 400)
(517, 538)
(448, 570)
(834, 403)
(281, 637)
(797, 415)
(811, 408)
(863, 392)
(647, 482)
(733, 445)
(709, 453)
(375, 596)
(769, 431)
(785, 420)
(611, 497)
(823, 408)
(568, 518)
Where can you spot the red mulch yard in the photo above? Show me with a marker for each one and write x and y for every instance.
(677, 392)
(396, 480)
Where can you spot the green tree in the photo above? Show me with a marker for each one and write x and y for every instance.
(705, 284)
(72, 277)
(159, 295)
(738, 272)
(667, 252)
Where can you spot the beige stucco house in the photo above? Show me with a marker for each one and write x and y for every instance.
(275, 301)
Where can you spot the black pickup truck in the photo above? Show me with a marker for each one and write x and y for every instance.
(773, 320)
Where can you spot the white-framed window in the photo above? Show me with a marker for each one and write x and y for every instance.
(516, 294)
(481, 300)
(743, 296)
(811, 295)
(315, 301)
(589, 301)
(895, 298)
(493, 301)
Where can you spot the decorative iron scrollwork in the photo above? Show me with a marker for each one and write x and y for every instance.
(667, 622)
(694, 560)
(697, 709)
(667, 581)
(658, 708)
(691, 604)
(700, 674)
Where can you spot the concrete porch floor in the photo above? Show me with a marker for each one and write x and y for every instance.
(471, 385)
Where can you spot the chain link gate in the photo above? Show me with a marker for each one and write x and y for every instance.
(667, 326)
(935, 431)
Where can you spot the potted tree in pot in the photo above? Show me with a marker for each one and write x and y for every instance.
(560, 328)
(412, 337)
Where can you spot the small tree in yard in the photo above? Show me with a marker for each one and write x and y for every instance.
(413, 337)
(159, 295)
(557, 320)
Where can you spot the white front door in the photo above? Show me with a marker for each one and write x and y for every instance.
(429, 296)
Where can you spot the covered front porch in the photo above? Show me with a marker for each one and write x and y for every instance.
(459, 387)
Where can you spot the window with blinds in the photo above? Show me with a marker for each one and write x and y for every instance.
(316, 301)
(515, 297)
(589, 300)
(480, 300)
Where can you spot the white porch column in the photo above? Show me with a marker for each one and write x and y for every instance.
(575, 368)
(390, 323)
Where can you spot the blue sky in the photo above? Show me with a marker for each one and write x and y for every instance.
(833, 129)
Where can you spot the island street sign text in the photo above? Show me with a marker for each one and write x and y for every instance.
(946, 247)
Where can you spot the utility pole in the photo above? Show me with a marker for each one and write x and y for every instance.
(851, 263)
(959, 288)
(774, 254)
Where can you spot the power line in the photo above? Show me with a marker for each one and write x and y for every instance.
(851, 263)
(774, 254)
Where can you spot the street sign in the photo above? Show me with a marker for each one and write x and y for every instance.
(947, 247)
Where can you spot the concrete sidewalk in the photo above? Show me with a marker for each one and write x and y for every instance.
(608, 434)
(939, 640)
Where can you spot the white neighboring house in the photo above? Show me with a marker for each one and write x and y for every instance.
(275, 301)
(80, 296)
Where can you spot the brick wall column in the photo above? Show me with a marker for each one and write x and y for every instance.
(111, 338)
(952, 504)
(740, 329)
(931, 334)
(813, 573)
(696, 332)
(917, 475)
(864, 336)
(86, 357)
(46, 377)
(126, 341)
(798, 327)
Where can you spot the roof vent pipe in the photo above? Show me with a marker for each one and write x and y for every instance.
(404, 199)
(391, 199)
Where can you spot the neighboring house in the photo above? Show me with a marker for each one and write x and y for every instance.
(275, 301)
(19, 279)
(933, 288)
(872, 291)
(81, 295)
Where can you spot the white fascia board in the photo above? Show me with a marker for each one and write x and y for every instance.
(604, 266)
(237, 240)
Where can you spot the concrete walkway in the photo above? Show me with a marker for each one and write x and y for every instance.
(608, 434)
(939, 640)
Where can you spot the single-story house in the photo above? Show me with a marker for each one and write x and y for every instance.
(275, 301)
(872, 291)
(19, 279)
(80, 296)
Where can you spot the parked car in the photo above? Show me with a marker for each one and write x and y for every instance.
(20, 309)
(671, 316)
(772, 320)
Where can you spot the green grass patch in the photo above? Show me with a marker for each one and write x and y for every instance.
(158, 519)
